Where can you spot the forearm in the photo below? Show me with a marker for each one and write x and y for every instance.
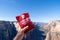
(18, 37)
(20, 34)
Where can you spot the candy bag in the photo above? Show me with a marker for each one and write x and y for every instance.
(24, 20)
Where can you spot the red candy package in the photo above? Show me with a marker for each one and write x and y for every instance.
(24, 20)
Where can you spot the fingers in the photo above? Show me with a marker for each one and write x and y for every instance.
(25, 28)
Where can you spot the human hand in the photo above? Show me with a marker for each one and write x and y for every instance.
(20, 34)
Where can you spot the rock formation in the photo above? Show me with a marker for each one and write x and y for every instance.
(8, 31)
(53, 30)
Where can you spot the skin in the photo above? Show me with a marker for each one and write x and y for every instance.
(20, 34)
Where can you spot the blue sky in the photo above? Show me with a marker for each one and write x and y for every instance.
(39, 10)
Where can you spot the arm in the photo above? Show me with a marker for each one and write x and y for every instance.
(20, 34)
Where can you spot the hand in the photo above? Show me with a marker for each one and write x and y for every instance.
(20, 34)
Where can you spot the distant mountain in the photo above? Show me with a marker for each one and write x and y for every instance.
(8, 31)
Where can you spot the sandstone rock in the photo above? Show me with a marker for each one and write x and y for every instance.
(53, 28)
